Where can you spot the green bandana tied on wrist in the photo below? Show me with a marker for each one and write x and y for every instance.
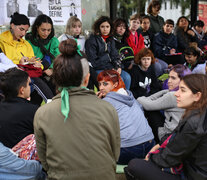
(65, 107)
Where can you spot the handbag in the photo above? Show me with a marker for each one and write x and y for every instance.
(31, 70)
(26, 148)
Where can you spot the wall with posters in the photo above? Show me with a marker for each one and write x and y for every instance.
(59, 10)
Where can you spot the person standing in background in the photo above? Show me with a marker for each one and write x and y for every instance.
(156, 21)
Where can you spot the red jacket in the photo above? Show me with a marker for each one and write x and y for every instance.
(136, 42)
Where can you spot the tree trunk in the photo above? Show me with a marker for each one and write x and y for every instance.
(141, 7)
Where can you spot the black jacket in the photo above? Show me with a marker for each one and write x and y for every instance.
(183, 39)
(143, 83)
(16, 120)
(125, 52)
(148, 38)
(102, 55)
(163, 43)
(189, 147)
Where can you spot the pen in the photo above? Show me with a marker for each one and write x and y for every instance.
(22, 54)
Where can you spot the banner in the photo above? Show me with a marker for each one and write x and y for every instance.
(202, 13)
(59, 10)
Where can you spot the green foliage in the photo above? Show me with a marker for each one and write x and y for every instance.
(125, 8)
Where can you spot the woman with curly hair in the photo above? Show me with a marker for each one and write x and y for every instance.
(101, 51)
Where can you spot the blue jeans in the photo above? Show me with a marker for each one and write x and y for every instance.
(12, 167)
(160, 67)
(125, 77)
(138, 151)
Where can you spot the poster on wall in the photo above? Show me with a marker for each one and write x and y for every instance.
(202, 12)
(59, 10)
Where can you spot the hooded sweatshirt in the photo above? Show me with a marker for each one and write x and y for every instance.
(143, 83)
(134, 128)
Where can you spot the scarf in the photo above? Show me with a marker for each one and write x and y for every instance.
(200, 36)
(104, 37)
(65, 106)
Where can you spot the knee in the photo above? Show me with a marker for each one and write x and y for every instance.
(132, 169)
(133, 165)
(126, 76)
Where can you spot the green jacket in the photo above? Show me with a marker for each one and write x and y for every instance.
(156, 23)
(84, 147)
(53, 44)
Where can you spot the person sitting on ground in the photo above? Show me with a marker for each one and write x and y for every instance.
(101, 50)
(45, 46)
(136, 135)
(156, 21)
(43, 41)
(185, 152)
(13, 38)
(121, 33)
(86, 142)
(12, 167)
(74, 31)
(200, 34)
(194, 61)
(17, 113)
(185, 35)
(135, 39)
(146, 32)
(20, 52)
(165, 44)
(165, 100)
(144, 81)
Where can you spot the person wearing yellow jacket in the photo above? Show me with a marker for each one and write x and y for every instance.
(20, 51)
(12, 43)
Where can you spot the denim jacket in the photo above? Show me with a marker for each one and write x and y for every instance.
(14, 168)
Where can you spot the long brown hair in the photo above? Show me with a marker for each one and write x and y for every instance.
(197, 83)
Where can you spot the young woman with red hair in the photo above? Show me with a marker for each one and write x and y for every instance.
(136, 135)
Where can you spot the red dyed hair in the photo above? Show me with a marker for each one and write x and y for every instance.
(113, 77)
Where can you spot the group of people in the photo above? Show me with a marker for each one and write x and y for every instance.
(133, 118)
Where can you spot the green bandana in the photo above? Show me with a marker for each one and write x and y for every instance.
(65, 107)
(78, 48)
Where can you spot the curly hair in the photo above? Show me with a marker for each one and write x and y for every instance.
(99, 21)
(119, 22)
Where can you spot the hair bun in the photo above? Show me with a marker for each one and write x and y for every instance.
(19, 19)
(68, 47)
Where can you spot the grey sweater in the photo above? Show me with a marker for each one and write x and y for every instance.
(163, 100)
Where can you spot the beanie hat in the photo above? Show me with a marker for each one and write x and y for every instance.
(19, 19)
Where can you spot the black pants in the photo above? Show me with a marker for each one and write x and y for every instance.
(155, 119)
(41, 91)
(93, 79)
(139, 169)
